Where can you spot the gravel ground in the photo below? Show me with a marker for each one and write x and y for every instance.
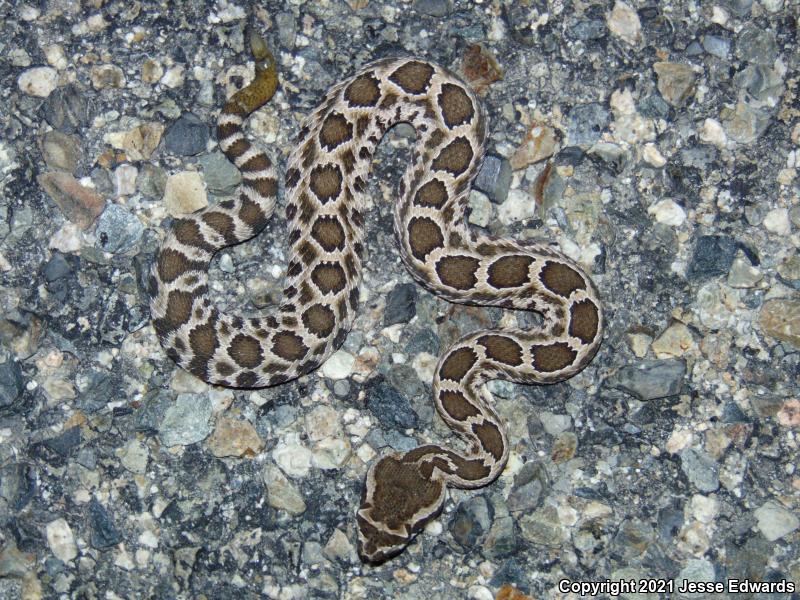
(656, 142)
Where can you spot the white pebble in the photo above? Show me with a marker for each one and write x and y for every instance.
(704, 508)
(668, 212)
(711, 132)
(125, 180)
(653, 156)
(624, 23)
(185, 193)
(777, 221)
(293, 458)
(519, 206)
(38, 81)
(61, 540)
(480, 592)
(339, 366)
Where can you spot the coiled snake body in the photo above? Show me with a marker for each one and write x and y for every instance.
(325, 181)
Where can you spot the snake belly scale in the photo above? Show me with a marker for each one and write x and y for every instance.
(325, 183)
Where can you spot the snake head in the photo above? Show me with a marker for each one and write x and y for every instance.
(399, 498)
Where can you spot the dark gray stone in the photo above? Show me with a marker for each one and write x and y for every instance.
(654, 107)
(287, 29)
(389, 406)
(471, 521)
(757, 45)
(11, 384)
(187, 136)
(588, 30)
(57, 267)
(64, 444)
(586, 123)
(494, 178)
(713, 256)
(220, 174)
(400, 304)
(67, 109)
(104, 533)
(530, 485)
(424, 340)
(717, 46)
(650, 379)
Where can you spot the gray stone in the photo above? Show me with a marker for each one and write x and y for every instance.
(433, 8)
(117, 230)
(697, 570)
(542, 527)
(64, 443)
(502, 539)
(713, 256)
(186, 421)
(717, 46)
(588, 30)
(676, 82)
(389, 406)
(530, 487)
(187, 136)
(701, 470)
(586, 123)
(494, 178)
(400, 304)
(424, 340)
(287, 29)
(775, 521)
(756, 45)
(650, 379)
(471, 521)
(67, 109)
(221, 175)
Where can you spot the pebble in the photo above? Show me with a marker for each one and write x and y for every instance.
(509, 592)
(668, 212)
(107, 76)
(653, 157)
(789, 271)
(339, 548)
(756, 45)
(480, 209)
(471, 521)
(61, 151)
(623, 22)
(494, 178)
(134, 456)
(282, 493)
(389, 406)
(433, 8)
(125, 180)
(292, 457)
(104, 533)
(138, 143)
(774, 521)
(717, 46)
(651, 379)
(400, 304)
(519, 206)
(118, 230)
(79, 204)
(185, 193)
(56, 268)
(61, 540)
(234, 437)
(701, 470)
(540, 142)
(564, 447)
(38, 81)
(712, 132)
(712, 256)
(743, 274)
(675, 341)
(186, 421)
(187, 136)
(676, 82)
(777, 221)
(744, 124)
(697, 570)
(780, 319)
(339, 365)
(542, 527)
(11, 383)
(585, 124)
(221, 175)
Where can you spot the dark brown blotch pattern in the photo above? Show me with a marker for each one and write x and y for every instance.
(458, 272)
(455, 105)
(561, 279)
(432, 194)
(335, 130)
(457, 364)
(413, 77)
(326, 182)
(246, 351)
(424, 236)
(502, 349)
(584, 320)
(454, 158)
(329, 277)
(319, 320)
(364, 91)
(457, 406)
(328, 233)
(552, 357)
(490, 438)
(509, 271)
(288, 346)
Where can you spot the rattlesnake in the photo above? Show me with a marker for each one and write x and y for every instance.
(325, 183)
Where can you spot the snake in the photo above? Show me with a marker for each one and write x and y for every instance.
(325, 184)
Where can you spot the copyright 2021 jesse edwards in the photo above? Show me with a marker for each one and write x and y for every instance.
(671, 586)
